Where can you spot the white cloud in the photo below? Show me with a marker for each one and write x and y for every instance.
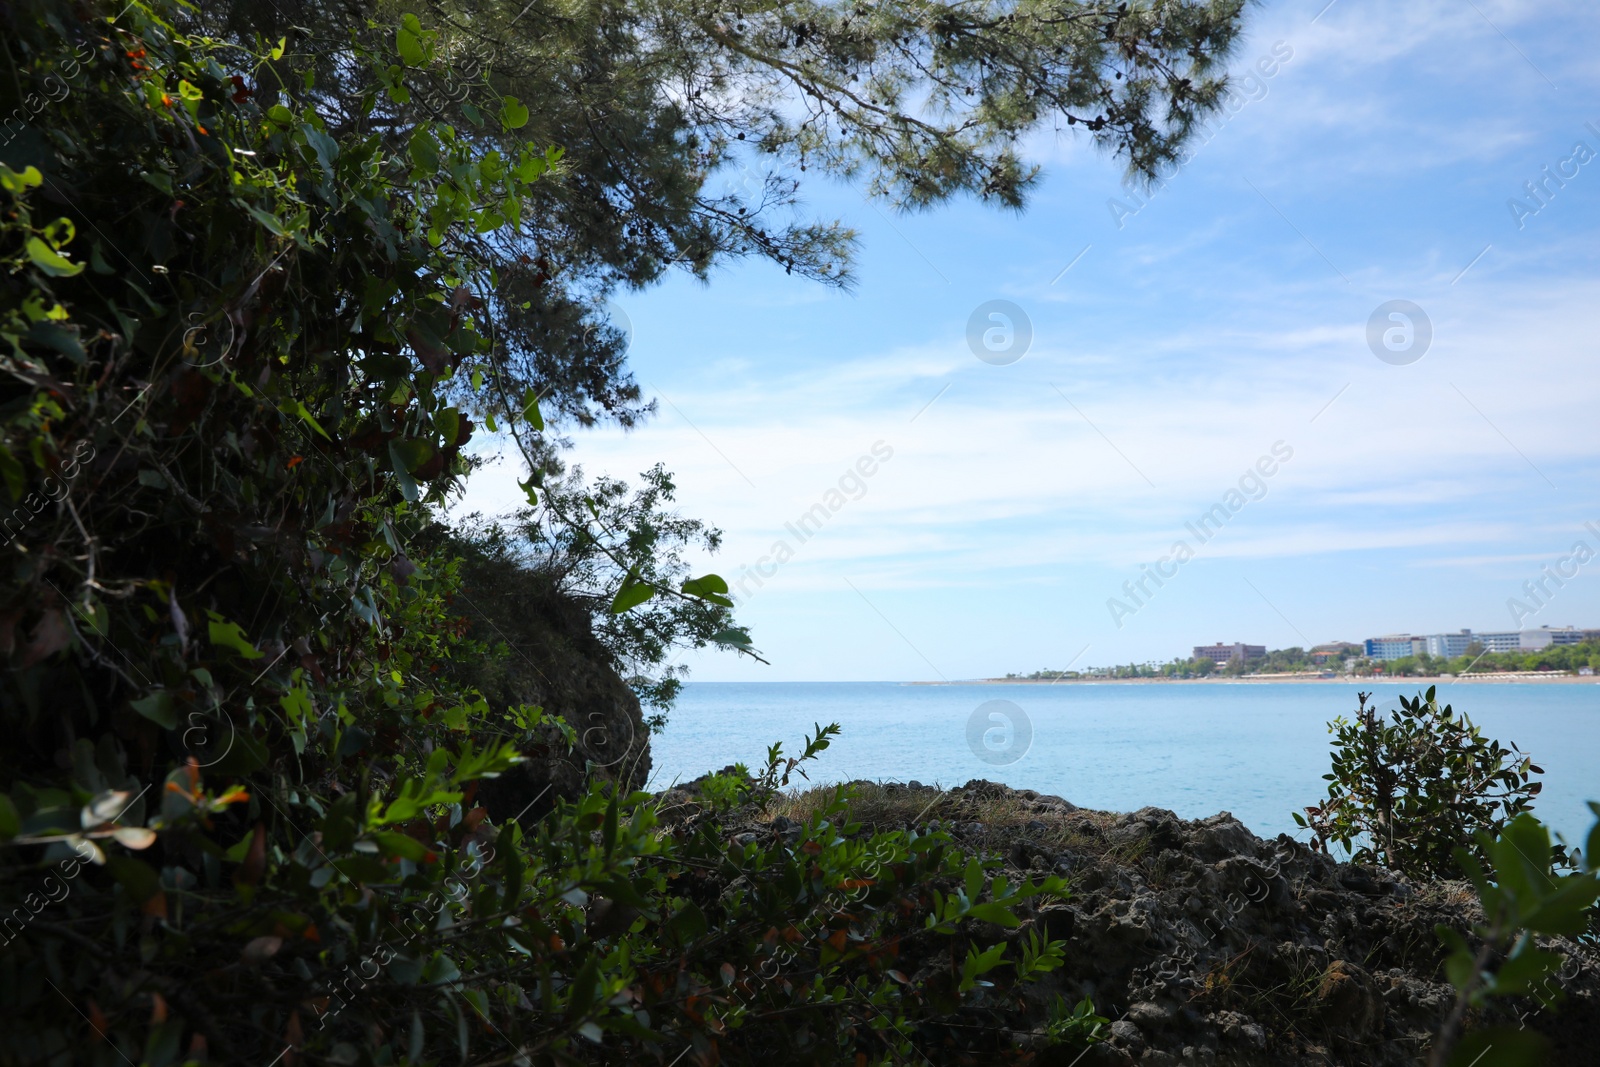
(1194, 338)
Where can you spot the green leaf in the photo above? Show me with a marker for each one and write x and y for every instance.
(631, 595)
(13, 182)
(708, 587)
(402, 475)
(978, 963)
(585, 985)
(271, 222)
(1564, 912)
(62, 340)
(229, 635)
(608, 831)
(326, 148)
(419, 794)
(493, 761)
(441, 970)
(531, 166)
(402, 845)
(15, 478)
(10, 820)
(448, 422)
(410, 452)
(235, 853)
(1501, 1046)
(296, 406)
(1591, 848)
(424, 152)
(408, 44)
(364, 869)
(530, 409)
(688, 924)
(48, 260)
(513, 113)
(157, 707)
(1518, 974)
(973, 877)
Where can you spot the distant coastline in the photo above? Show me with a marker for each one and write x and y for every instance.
(1536, 677)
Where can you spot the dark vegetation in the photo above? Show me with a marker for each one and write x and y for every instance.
(294, 773)
(1421, 791)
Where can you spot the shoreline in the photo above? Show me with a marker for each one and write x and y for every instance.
(1508, 678)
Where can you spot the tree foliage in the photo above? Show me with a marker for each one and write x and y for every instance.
(535, 552)
(1554, 658)
(1528, 887)
(259, 294)
(688, 125)
(1406, 793)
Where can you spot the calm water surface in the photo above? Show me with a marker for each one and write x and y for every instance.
(1258, 750)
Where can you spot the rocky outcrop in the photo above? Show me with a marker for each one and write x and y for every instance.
(1205, 944)
(552, 660)
(1208, 945)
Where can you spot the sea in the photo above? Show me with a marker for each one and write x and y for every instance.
(1256, 749)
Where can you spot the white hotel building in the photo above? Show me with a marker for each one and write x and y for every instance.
(1449, 646)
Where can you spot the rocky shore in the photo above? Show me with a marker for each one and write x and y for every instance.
(1204, 944)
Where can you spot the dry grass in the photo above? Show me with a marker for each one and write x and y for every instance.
(1004, 815)
(872, 803)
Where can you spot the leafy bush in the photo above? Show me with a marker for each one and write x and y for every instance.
(1406, 793)
(535, 553)
(237, 795)
(1525, 892)
(260, 293)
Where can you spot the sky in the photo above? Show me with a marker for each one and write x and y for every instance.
(1155, 357)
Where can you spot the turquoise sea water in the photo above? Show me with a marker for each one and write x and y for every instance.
(1258, 750)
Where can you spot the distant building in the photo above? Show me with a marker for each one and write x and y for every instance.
(1530, 640)
(1390, 646)
(1449, 646)
(1324, 652)
(1557, 635)
(1500, 641)
(1221, 653)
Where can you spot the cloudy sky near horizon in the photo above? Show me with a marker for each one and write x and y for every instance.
(1173, 345)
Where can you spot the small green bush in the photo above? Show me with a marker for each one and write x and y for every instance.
(1404, 794)
(1528, 886)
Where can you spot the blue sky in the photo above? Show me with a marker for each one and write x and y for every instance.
(1225, 316)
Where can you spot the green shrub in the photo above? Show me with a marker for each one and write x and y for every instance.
(259, 295)
(1406, 793)
(1527, 887)
(237, 817)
